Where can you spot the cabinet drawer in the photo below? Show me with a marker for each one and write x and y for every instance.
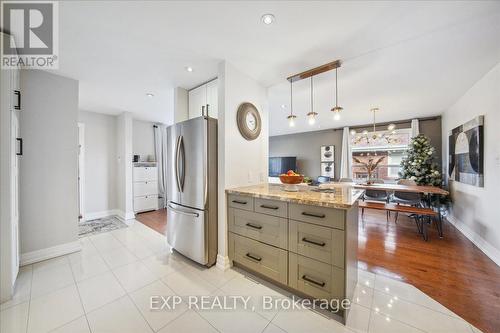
(145, 188)
(328, 217)
(264, 259)
(147, 202)
(321, 243)
(271, 207)
(314, 278)
(240, 201)
(145, 173)
(271, 230)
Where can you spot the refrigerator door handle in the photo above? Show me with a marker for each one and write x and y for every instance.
(183, 174)
(182, 212)
(177, 152)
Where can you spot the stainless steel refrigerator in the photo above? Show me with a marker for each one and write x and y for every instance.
(192, 189)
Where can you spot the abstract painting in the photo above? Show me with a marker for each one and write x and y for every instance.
(465, 159)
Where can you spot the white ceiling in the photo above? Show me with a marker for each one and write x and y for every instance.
(408, 58)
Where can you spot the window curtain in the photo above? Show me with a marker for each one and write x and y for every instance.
(160, 136)
(414, 128)
(346, 155)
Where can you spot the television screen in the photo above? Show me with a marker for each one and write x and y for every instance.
(279, 165)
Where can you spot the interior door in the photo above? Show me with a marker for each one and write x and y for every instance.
(173, 176)
(193, 167)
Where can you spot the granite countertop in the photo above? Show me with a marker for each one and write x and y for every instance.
(342, 198)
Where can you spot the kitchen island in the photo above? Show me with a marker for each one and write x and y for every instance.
(304, 241)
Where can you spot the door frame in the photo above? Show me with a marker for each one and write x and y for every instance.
(81, 171)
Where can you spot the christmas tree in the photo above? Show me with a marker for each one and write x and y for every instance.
(419, 165)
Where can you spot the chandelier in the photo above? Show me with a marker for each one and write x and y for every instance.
(387, 136)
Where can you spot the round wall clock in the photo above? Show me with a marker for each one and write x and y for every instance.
(248, 120)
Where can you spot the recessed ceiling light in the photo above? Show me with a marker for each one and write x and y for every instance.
(189, 69)
(283, 106)
(150, 95)
(267, 19)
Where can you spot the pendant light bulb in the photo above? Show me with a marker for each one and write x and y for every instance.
(336, 116)
(311, 118)
(291, 120)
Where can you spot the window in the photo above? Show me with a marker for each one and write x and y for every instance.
(376, 144)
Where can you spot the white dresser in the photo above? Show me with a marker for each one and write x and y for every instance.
(145, 188)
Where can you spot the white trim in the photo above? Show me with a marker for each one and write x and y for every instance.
(50, 252)
(223, 262)
(81, 170)
(100, 215)
(490, 251)
(125, 216)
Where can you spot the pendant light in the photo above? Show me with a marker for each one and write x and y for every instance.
(337, 109)
(291, 117)
(311, 116)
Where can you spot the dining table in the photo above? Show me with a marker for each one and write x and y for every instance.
(426, 190)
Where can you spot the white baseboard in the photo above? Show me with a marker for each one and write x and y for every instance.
(125, 216)
(49, 253)
(223, 262)
(100, 215)
(490, 251)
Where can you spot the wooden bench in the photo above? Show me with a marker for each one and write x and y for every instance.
(391, 207)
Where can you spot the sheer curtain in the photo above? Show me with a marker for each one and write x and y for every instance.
(160, 135)
(414, 128)
(346, 155)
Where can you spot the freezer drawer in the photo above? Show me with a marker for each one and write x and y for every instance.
(145, 188)
(187, 232)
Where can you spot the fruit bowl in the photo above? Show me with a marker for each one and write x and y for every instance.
(292, 179)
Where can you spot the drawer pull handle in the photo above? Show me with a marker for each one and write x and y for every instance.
(313, 242)
(254, 257)
(269, 207)
(255, 226)
(308, 279)
(321, 216)
(240, 202)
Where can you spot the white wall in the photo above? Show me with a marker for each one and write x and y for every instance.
(143, 141)
(474, 209)
(49, 165)
(124, 166)
(100, 163)
(241, 162)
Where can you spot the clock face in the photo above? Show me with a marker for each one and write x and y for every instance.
(248, 120)
(251, 121)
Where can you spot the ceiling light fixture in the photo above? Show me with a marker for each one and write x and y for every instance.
(311, 115)
(189, 68)
(267, 19)
(291, 118)
(388, 135)
(336, 109)
(150, 95)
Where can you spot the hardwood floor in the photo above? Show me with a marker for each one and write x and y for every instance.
(156, 220)
(451, 270)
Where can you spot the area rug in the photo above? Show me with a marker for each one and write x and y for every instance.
(97, 226)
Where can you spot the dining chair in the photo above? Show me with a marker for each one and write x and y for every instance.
(406, 198)
(323, 179)
(376, 195)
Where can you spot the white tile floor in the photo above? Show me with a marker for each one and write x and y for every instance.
(107, 286)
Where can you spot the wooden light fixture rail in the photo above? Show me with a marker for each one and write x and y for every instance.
(315, 71)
